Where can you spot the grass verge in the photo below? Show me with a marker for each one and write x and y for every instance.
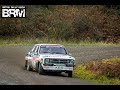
(19, 41)
(104, 72)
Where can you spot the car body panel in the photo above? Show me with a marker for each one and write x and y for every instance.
(35, 58)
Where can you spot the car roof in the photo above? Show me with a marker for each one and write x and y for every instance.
(48, 44)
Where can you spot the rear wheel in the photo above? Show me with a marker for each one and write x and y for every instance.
(28, 66)
(40, 70)
(25, 64)
(69, 73)
(36, 69)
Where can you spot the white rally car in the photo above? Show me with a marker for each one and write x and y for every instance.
(49, 58)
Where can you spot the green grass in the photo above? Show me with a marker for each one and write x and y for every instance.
(81, 72)
(19, 41)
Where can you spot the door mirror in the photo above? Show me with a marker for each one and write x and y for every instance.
(28, 54)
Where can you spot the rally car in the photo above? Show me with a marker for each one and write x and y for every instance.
(49, 58)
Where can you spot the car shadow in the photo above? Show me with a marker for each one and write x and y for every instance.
(63, 74)
(56, 74)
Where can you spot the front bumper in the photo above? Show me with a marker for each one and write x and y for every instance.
(58, 68)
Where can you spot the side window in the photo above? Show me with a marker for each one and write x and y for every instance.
(37, 49)
(34, 49)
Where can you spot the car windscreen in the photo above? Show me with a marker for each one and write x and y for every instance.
(52, 50)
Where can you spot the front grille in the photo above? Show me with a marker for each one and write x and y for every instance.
(59, 61)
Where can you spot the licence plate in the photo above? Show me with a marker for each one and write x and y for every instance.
(59, 67)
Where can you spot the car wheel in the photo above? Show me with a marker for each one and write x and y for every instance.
(28, 67)
(36, 68)
(40, 70)
(69, 73)
(26, 64)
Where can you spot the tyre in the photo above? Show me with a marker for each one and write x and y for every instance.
(36, 69)
(40, 70)
(28, 67)
(69, 73)
(26, 64)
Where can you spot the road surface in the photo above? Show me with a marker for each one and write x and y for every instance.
(12, 70)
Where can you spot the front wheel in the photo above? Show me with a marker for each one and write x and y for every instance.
(69, 73)
(40, 70)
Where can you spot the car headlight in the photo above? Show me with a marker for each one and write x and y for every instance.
(46, 60)
(71, 62)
